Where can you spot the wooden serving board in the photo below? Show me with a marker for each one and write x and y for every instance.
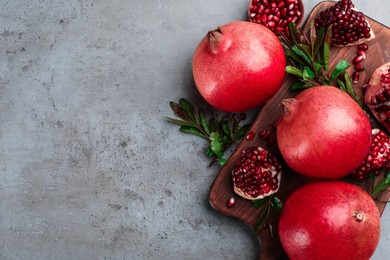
(222, 187)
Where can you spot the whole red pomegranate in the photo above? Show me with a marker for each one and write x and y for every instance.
(238, 66)
(329, 220)
(323, 133)
(377, 96)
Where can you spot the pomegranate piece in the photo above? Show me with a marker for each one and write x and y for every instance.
(378, 158)
(377, 96)
(276, 14)
(349, 26)
(329, 220)
(257, 174)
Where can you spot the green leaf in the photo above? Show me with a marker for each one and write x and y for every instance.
(181, 122)
(215, 145)
(302, 54)
(319, 40)
(213, 124)
(295, 57)
(262, 219)
(260, 203)
(306, 49)
(276, 204)
(293, 70)
(382, 185)
(342, 86)
(317, 67)
(226, 128)
(178, 110)
(326, 57)
(340, 67)
(188, 108)
(293, 33)
(300, 85)
(307, 74)
(241, 131)
(222, 161)
(203, 121)
(192, 130)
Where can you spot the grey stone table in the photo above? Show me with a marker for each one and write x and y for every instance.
(90, 169)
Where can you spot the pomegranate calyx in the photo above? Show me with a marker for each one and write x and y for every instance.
(358, 216)
(289, 105)
(217, 41)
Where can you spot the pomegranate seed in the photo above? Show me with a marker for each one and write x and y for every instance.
(231, 202)
(359, 67)
(363, 47)
(250, 136)
(357, 59)
(355, 77)
(361, 53)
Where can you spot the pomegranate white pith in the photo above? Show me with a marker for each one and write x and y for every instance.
(349, 26)
(257, 174)
(377, 96)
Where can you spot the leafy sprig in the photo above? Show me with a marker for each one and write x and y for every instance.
(380, 186)
(221, 133)
(308, 59)
(268, 204)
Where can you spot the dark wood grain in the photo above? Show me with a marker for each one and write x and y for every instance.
(222, 187)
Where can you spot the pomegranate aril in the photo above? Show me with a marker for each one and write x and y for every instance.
(355, 77)
(249, 136)
(358, 59)
(231, 202)
(359, 67)
(363, 47)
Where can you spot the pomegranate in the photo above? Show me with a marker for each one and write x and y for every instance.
(238, 66)
(323, 133)
(257, 174)
(349, 26)
(276, 14)
(329, 220)
(378, 158)
(377, 96)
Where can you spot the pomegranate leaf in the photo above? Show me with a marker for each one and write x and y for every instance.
(318, 41)
(221, 133)
(276, 204)
(340, 67)
(260, 203)
(307, 74)
(293, 70)
(192, 130)
(215, 144)
(188, 108)
(203, 121)
(302, 54)
(381, 186)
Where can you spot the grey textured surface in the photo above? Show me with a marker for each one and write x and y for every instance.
(89, 167)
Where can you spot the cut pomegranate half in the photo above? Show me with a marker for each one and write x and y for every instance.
(377, 96)
(349, 26)
(378, 158)
(257, 174)
(276, 14)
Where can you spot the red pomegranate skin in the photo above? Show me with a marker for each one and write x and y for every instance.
(329, 220)
(323, 133)
(240, 67)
